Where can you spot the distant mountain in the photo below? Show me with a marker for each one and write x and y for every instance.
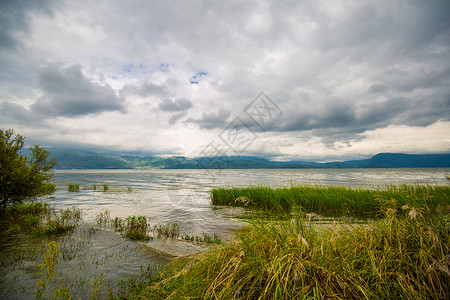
(398, 160)
(84, 160)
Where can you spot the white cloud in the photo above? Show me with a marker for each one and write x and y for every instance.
(353, 78)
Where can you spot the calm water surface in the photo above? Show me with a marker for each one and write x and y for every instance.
(164, 196)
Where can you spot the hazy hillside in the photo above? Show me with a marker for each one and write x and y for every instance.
(83, 160)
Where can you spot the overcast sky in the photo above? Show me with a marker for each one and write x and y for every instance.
(340, 79)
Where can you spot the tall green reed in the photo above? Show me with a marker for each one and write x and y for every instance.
(333, 200)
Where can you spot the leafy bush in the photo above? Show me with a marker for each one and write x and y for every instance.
(23, 177)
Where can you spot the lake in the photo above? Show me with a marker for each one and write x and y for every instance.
(182, 196)
(164, 196)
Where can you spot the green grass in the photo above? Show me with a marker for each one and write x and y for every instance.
(132, 227)
(73, 187)
(334, 200)
(405, 255)
(171, 230)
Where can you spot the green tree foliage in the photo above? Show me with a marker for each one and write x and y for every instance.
(23, 177)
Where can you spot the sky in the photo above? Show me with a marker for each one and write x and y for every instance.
(285, 80)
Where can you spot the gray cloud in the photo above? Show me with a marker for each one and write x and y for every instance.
(144, 90)
(336, 69)
(67, 92)
(175, 118)
(14, 18)
(17, 114)
(170, 105)
(212, 120)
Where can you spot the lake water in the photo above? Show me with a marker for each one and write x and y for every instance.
(164, 196)
(182, 196)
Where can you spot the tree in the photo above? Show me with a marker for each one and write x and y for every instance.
(23, 177)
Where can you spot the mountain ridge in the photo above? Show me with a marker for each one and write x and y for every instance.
(86, 160)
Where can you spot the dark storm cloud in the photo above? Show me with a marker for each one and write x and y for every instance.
(67, 92)
(178, 105)
(212, 120)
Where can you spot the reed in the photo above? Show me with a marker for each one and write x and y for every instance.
(73, 187)
(333, 200)
(171, 230)
(132, 227)
(204, 238)
(404, 255)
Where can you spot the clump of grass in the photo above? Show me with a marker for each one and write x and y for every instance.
(403, 255)
(132, 227)
(105, 187)
(171, 230)
(205, 238)
(129, 189)
(73, 187)
(333, 200)
(103, 218)
(62, 223)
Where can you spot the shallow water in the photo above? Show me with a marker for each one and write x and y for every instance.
(182, 195)
(164, 196)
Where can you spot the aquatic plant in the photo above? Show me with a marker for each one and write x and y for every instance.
(105, 187)
(73, 187)
(62, 292)
(403, 255)
(129, 189)
(46, 270)
(132, 227)
(204, 238)
(333, 200)
(171, 230)
(103, 218)
(62, 223)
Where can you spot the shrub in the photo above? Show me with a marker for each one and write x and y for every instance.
(23, 177)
